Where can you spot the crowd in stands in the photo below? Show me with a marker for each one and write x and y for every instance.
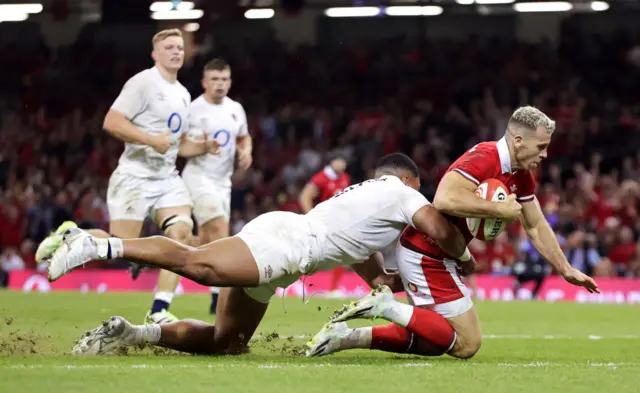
(431, 100)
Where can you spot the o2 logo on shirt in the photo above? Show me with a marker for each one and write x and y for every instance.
(175, 122)
(223, 137)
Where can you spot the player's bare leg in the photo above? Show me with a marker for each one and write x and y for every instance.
(225, 263)
(125, 229)
(468, 334)
(178, 230)
(238, 317)
(212, 230)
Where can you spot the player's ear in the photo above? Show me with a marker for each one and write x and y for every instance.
(517, 141)
(154, 55)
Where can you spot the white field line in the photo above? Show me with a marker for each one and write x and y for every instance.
(297, 366)
(512, 337)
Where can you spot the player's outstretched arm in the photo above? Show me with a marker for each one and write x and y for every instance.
(456, 196)
(372, 272)
(429, 221)
(117, 124)
(545, 241)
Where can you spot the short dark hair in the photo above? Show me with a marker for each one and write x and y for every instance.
(217, 64)
(393, 162)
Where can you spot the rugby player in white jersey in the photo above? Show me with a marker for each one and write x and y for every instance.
(273, 250)
(150, 115)
(208, 177)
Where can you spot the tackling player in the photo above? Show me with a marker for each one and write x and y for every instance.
(441, 318)
(273, 250)
(150, 115)
(322, 186)
(208, 177)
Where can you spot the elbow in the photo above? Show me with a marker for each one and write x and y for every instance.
(443, 203)
(108, 123)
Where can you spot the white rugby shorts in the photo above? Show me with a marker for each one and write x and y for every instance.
(210, 199)
(432, 283)
(280, 243)
(135, 198)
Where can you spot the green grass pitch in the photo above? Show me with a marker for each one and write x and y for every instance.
(528, 347)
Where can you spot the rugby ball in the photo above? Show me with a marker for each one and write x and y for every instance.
(488, 228)
(196, 134)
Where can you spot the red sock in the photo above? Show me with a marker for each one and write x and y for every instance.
(390, 338)
(432, 327)
(336, 275)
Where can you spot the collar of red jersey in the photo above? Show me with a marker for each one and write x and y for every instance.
(330, 172)
(505, 157)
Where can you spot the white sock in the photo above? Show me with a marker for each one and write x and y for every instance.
(112, 244)
(398, 313)
(164, 296)
(147, 334)
(214, 289)
(357, 338)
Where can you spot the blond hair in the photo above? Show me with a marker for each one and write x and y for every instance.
(531, 118)
(164, 34)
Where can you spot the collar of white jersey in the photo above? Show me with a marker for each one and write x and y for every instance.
(225, 99)
(330, 172)
(505, 157)
(159, 74)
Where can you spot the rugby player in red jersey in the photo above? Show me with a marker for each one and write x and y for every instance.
(440, 317)
(323, 185)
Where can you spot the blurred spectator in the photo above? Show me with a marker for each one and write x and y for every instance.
(9, 260)
(306, 104)
(582, 253)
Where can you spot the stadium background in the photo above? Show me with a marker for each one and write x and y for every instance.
(314, 86)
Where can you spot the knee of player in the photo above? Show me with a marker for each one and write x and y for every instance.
(467, 349)
(181, 234)
(178, 227)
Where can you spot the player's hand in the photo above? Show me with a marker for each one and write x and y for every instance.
(213, 147)
(510, 209)
(468, 267)
(161, 142)
(576, 277)
(392, 279)
(244, 159)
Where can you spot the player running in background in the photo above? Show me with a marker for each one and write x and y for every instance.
(150, 115)
(208, 177)
(273, 250)
(441, 318)
(322, 186)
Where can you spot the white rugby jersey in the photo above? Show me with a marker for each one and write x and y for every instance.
(154, 105)
(363, 219)
(223, 122)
